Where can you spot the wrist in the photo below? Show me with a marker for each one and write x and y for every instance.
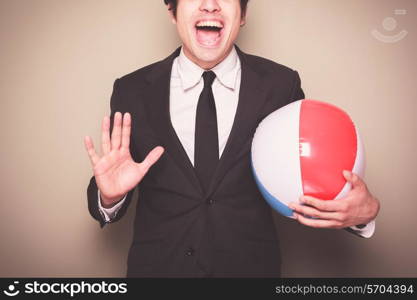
(108, 202)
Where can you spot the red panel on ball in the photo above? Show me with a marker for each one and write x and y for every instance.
(328, 145)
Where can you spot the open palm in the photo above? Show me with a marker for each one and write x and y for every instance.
(115, 172)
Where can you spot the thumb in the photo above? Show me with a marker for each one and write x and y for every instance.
(352, 178)
(152, 157)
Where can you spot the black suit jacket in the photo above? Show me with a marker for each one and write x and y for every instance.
(179, 231)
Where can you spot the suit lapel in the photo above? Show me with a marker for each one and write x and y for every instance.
(158, 112)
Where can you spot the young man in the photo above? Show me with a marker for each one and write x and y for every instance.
(184, 139)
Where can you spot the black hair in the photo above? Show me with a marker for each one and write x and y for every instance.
(173, 6)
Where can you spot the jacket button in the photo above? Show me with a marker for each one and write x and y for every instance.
(190, 252)
(210, 201)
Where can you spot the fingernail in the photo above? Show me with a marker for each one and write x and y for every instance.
(346, 173)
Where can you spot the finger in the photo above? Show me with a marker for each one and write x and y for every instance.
(312, 212)
(353, 178)
(89, 146)
(151, 158)
(127, 125)
(322, 205)
(105, 135)
(317, 223)
(116, 132)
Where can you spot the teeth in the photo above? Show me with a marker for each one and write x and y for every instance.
(209, 24)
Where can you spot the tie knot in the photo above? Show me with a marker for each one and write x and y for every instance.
(208, 77)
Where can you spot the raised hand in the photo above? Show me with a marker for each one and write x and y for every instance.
(115, 172)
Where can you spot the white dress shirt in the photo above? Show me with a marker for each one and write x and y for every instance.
(185, 88)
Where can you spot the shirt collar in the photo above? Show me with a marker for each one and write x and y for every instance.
(226, 71)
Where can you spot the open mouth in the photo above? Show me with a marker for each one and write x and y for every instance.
(209, 32)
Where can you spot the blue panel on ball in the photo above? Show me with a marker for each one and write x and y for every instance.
(274, 202)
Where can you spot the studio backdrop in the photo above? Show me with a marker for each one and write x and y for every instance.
(58, 62)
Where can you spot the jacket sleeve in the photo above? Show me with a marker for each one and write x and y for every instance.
(297, 92)
(92, 190)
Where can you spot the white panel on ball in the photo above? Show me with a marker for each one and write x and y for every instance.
(277, 167)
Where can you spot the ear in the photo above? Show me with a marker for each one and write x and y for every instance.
(171, 14)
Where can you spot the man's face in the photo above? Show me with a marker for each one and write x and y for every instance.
(208, 29)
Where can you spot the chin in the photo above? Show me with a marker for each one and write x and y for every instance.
(208, 57)
(212, 55)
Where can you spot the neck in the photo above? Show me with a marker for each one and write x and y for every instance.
(206, 65)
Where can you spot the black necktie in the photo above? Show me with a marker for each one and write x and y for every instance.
(206, 149)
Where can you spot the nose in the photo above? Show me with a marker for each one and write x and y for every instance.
(210, 6)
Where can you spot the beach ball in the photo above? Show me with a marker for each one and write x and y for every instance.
(302, 149)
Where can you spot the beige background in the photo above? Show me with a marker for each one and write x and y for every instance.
(58, 61)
